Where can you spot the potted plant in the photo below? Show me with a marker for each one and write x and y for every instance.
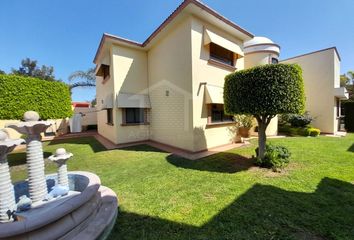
(244, 123)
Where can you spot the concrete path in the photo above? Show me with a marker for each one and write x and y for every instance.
(166, 148)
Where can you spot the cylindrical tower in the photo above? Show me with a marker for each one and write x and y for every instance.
(260, 51)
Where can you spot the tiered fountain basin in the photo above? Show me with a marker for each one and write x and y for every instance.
(87, 212)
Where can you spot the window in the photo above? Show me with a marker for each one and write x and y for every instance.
(275, 61)
(134, 116)
(103, 71)
(110, 116)
(217, 114)
(221, 54)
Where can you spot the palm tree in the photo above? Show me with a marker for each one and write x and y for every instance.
(87, 79)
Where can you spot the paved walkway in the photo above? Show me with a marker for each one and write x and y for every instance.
(166, 148)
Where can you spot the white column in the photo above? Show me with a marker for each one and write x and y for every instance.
(7, 194)
(35, 164)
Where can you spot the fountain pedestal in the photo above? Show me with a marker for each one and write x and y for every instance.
(7, 195)
(33, 128)
(60, 157)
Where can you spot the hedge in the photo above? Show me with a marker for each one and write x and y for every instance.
(265, 90)
(349, 116)
(19, 94)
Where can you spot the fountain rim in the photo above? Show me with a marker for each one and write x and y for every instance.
(10, 229)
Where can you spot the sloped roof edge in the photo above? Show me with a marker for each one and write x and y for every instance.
(322, 50)
(183, 5)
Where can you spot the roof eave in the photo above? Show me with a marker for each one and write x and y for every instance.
(322, 50)
(169, 19)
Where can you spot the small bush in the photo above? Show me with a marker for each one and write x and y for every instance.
(276, 157)
(299, 131)
(296, 120)
(245, 121)
(313, 132)
(291, 131)
(283, 119)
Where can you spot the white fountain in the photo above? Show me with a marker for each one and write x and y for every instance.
(60, 158)
(77, 207)
(33, 128)
(7, 194)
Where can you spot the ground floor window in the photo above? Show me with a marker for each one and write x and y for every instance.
(134, 115)
(109, 116)
(217, 114)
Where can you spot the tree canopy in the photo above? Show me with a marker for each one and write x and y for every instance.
(347, 81)
(264, 92)
(30, 68)
(86, 79)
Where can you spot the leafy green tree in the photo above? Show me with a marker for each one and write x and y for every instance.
(344, 80)
(29, 68)
(264, 92)
(347, 81)
(94, 102)
(82, 79)
(2, 72)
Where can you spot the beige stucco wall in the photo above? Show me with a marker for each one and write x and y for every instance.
(171, 73)
(90, 115)
(103, 89)
(321, 72)
(170, 87)
(130, 76)
(208, 136)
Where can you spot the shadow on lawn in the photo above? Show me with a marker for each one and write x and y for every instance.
(263, 212)
(19, 158)
(351, 148)
(95, 145)
(142, 148)
(224, 162)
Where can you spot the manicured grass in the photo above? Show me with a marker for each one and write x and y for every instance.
(222, 196)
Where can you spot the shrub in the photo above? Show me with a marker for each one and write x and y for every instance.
(288, 130)
(313, 132)
(297, 120)
(296, 131)
(276, 157)
(283, 119)
(19, 94)
(245, 121)
(349, 116)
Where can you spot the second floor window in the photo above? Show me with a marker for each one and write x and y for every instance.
(221, 54)
(103, 71)
(275, 61)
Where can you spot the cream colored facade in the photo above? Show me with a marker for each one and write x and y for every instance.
(321, 73)
(173, 77)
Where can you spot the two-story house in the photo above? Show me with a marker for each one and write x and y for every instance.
(169, 89)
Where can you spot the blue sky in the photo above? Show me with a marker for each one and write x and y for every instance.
(65, 34)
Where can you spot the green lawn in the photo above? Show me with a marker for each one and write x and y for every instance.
(222, 196)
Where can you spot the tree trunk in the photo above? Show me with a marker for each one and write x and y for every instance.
(262, 138)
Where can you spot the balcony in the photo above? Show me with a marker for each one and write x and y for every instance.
(341, 93)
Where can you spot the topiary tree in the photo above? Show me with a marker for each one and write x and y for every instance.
(264, 92)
